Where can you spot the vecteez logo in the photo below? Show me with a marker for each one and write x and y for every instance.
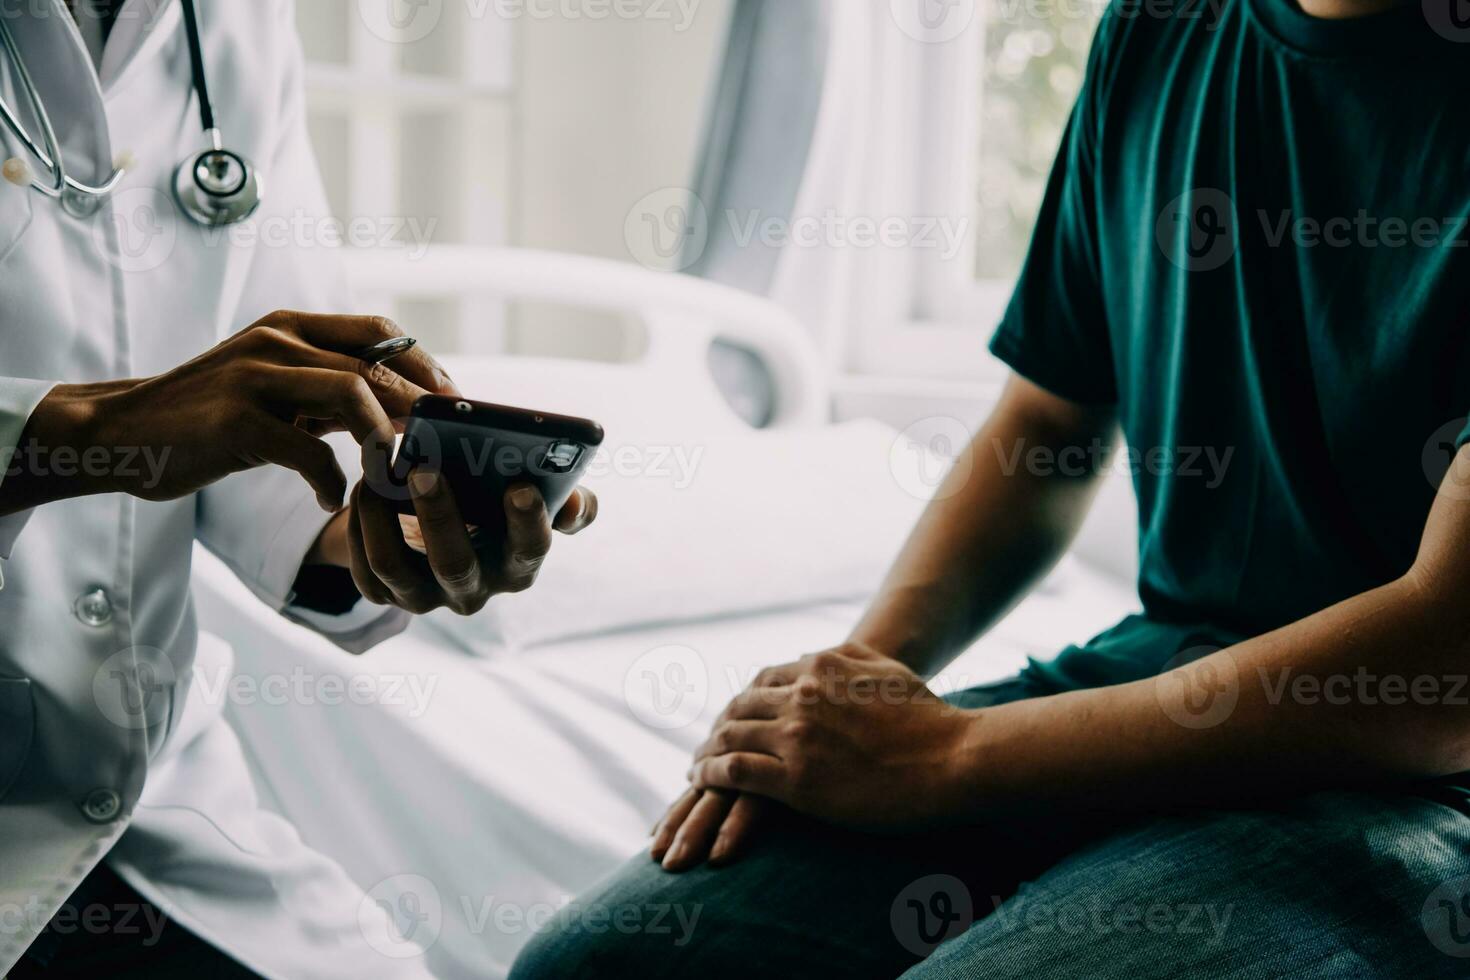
(933, 21)
(137, 230)
(931, 911)
(400, 21)
(667, 687)
(1199, 695)
(1445, 469)
(667, 230)
(1450, 19)
(1198, 230)
(401, 917)
(1446, 917)
(927, 454)
(134, 688)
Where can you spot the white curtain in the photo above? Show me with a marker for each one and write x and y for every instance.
(830, 114)
(889, 143)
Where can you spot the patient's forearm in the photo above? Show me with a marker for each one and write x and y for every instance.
(997, 524)
(1371, 691)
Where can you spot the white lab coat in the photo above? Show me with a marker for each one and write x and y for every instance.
(106, 749)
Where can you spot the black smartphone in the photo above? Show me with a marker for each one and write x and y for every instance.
(481, 449)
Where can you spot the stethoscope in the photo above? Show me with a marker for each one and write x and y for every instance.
(214, 188)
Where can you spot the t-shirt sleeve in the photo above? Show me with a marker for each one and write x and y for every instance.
(1055, 330)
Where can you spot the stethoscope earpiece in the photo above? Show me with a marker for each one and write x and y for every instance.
(18, 172)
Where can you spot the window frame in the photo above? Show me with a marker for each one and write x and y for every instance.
(941, 325)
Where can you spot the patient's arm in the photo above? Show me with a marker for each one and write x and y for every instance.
(1370, 692)
(995, 527)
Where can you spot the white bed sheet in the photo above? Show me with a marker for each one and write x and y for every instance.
(493, 790)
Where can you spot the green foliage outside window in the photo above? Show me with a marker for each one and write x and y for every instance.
(1035, 54)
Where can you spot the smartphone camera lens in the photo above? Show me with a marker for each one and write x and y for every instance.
(562, 456)
(463, 408)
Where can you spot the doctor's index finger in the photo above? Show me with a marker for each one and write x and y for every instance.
(395, 392)
(344, 334)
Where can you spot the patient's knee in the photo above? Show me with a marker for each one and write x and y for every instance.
(572, 948)
(611, 936)
(554, 952)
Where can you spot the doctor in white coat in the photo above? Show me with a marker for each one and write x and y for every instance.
(119, 784)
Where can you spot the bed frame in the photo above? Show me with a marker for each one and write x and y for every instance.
(681, 316)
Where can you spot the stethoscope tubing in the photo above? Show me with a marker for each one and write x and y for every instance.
(50, 157)
(206, 205)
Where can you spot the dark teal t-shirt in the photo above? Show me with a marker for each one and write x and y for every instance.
(1254, 243)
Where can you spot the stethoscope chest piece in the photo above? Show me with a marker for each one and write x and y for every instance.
(218, 187)
(80, 204)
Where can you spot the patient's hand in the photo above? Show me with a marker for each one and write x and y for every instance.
(713, 825)
(707, 825)
(848, 736)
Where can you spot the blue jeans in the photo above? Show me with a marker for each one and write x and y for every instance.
(1342, 884)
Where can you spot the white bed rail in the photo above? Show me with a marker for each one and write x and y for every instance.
(682, 315)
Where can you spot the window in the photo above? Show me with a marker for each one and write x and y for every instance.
(464, 127)
(986, 151)
(1031, 69)
(399, 103)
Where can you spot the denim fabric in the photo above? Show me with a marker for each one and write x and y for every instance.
(1325, 885)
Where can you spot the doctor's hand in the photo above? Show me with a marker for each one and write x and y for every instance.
(431, 561)
(847, 736)
(264, 396)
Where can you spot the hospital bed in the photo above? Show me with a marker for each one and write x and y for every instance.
(475, 774)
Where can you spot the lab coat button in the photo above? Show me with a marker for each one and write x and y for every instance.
(101, 806)
(94, 608)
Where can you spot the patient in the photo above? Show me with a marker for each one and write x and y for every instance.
(1244, 252)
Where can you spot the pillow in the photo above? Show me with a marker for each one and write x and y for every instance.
(730, 525)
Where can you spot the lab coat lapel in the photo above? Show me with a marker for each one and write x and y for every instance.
(58, 61)
(142, 28)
